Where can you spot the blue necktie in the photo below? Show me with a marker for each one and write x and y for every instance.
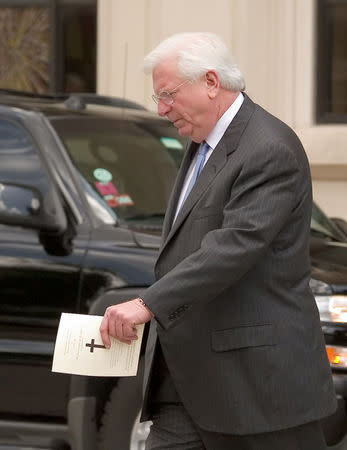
(204, 148)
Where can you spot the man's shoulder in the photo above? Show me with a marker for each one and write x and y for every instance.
(270, 128)
(263, 115)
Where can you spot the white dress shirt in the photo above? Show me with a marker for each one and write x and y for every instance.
(212, 139)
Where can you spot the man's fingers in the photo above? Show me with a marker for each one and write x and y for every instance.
(119, 321)
(129, 331)
(125, 341)
(123, 332)
(118, 330)
(104, 332)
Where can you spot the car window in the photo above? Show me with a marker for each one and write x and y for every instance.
(20, 164)
(130, 166)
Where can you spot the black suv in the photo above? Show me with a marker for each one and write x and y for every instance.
(84, 183)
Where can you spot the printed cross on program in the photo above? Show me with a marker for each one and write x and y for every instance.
(92, 345)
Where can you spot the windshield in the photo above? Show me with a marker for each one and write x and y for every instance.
(128, 168)
(321, 224)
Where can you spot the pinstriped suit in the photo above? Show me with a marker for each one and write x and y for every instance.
(235, 317)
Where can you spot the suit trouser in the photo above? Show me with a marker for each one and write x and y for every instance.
(174, 429)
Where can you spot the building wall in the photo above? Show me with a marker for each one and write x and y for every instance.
(274, 44)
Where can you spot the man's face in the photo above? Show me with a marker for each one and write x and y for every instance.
(191, 110)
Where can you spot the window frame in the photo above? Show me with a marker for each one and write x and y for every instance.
(323, 64)
(56, 50)
(54, 62)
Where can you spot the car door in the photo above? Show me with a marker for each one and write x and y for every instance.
(35, 288)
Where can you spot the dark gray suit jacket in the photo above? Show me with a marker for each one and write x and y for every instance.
(236, 320)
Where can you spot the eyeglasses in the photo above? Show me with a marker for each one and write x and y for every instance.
(167, 97)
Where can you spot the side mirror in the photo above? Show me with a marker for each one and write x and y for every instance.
(26, 206)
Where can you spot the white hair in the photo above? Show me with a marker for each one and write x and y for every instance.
(197, 53)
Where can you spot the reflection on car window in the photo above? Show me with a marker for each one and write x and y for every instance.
(101, 209)
(321, 224)
(16, 200)
(130, 166)
(20, 162)
(12, 138)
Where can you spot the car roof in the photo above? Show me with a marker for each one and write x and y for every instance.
(76, 104)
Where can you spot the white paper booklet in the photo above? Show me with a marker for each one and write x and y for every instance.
(79, 349)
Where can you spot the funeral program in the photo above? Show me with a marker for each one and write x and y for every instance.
(79, 349)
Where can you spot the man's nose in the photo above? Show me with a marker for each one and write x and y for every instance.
(163, 109)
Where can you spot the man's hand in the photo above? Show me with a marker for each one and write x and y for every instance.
(119, 321)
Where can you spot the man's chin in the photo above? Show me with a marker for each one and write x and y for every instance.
(182, 131)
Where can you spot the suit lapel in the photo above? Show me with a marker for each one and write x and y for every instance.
(216, 162)
(171, 209)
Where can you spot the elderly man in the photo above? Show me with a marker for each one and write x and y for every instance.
(235, 357)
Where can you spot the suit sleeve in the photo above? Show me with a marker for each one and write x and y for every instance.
(261, 200)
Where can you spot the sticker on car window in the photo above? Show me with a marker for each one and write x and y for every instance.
(124, 200)
(115, 201)
(106, 188)
(171, 142)
(111, 200)
(102, 175)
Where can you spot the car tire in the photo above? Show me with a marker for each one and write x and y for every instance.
(120, 427)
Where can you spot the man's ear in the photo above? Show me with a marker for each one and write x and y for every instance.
(212, 82)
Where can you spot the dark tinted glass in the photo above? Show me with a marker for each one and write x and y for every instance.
(19, 159)
(332, 61)
(131, 166)
(77, 24)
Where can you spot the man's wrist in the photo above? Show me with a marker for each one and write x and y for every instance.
(142, 303)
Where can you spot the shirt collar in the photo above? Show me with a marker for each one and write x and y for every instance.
(217, 133)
